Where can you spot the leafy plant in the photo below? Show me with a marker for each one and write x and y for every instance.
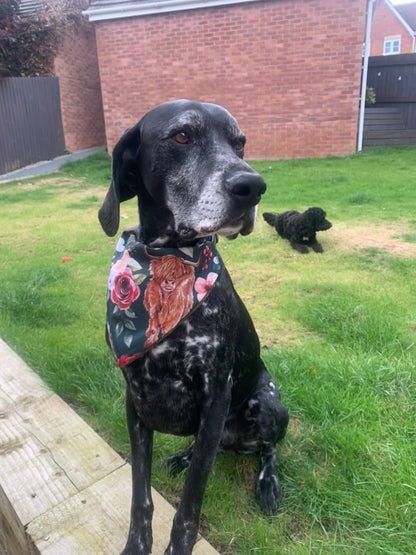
(29, 43)
(370, 96)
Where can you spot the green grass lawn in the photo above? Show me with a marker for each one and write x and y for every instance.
(338, 332)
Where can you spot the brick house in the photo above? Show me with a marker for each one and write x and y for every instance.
(393, 29)
(289, 70)
(76, 66)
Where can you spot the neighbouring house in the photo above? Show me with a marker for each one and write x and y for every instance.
(57, 104)
(393, 29)
(289, 70)
(391, 121)
(76, 66)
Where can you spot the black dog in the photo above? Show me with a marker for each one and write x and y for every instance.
(206, 378)
(300, 229)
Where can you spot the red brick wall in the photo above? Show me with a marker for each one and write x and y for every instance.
(81, 104)
(386, 24)
(288, 70)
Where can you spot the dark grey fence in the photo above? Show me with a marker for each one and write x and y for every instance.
(393, 77)
(30, 121)
(392, 120)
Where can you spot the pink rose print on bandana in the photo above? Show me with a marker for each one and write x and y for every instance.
(124, 290)
(203, 286)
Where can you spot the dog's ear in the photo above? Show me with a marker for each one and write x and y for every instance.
(125, 179)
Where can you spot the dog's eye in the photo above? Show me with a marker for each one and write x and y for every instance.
(182, 138)
(239, 147)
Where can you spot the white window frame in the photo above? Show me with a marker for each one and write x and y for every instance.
(389, 42)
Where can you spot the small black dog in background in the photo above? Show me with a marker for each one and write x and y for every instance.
(300, 229)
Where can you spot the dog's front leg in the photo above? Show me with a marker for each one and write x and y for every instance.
(139, 541)
(186, 521)
(316, 246)
(313, 243)
(298, 245)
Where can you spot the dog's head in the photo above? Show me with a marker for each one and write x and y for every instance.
(184, 162)
(317, 217)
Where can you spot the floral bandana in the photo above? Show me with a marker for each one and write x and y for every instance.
(151, 290)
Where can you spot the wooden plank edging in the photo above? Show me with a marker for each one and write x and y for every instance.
(59, 480)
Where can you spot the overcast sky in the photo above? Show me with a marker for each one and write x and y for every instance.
(401, 1)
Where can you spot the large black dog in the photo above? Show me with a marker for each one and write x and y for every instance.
(203, 376)
(300, 229)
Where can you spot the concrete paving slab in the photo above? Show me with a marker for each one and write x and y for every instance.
(47, 166)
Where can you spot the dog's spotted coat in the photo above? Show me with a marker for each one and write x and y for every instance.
(183, 161)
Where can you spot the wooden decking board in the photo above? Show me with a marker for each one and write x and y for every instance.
(59, 479)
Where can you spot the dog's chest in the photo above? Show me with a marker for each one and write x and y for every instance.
(174, 379)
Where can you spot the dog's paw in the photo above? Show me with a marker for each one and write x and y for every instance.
(178, 463)
(317, 247)
(268, 492)
(300, 248)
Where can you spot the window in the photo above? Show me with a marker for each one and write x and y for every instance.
(391, 45)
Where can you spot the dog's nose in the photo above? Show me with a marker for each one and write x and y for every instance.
(247, 187)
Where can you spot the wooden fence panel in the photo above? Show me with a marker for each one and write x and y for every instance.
(392, 120)
(393, 77)
(30, 121)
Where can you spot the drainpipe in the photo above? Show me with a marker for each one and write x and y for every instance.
(370, 9)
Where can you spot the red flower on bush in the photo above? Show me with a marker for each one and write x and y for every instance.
(125, 291)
